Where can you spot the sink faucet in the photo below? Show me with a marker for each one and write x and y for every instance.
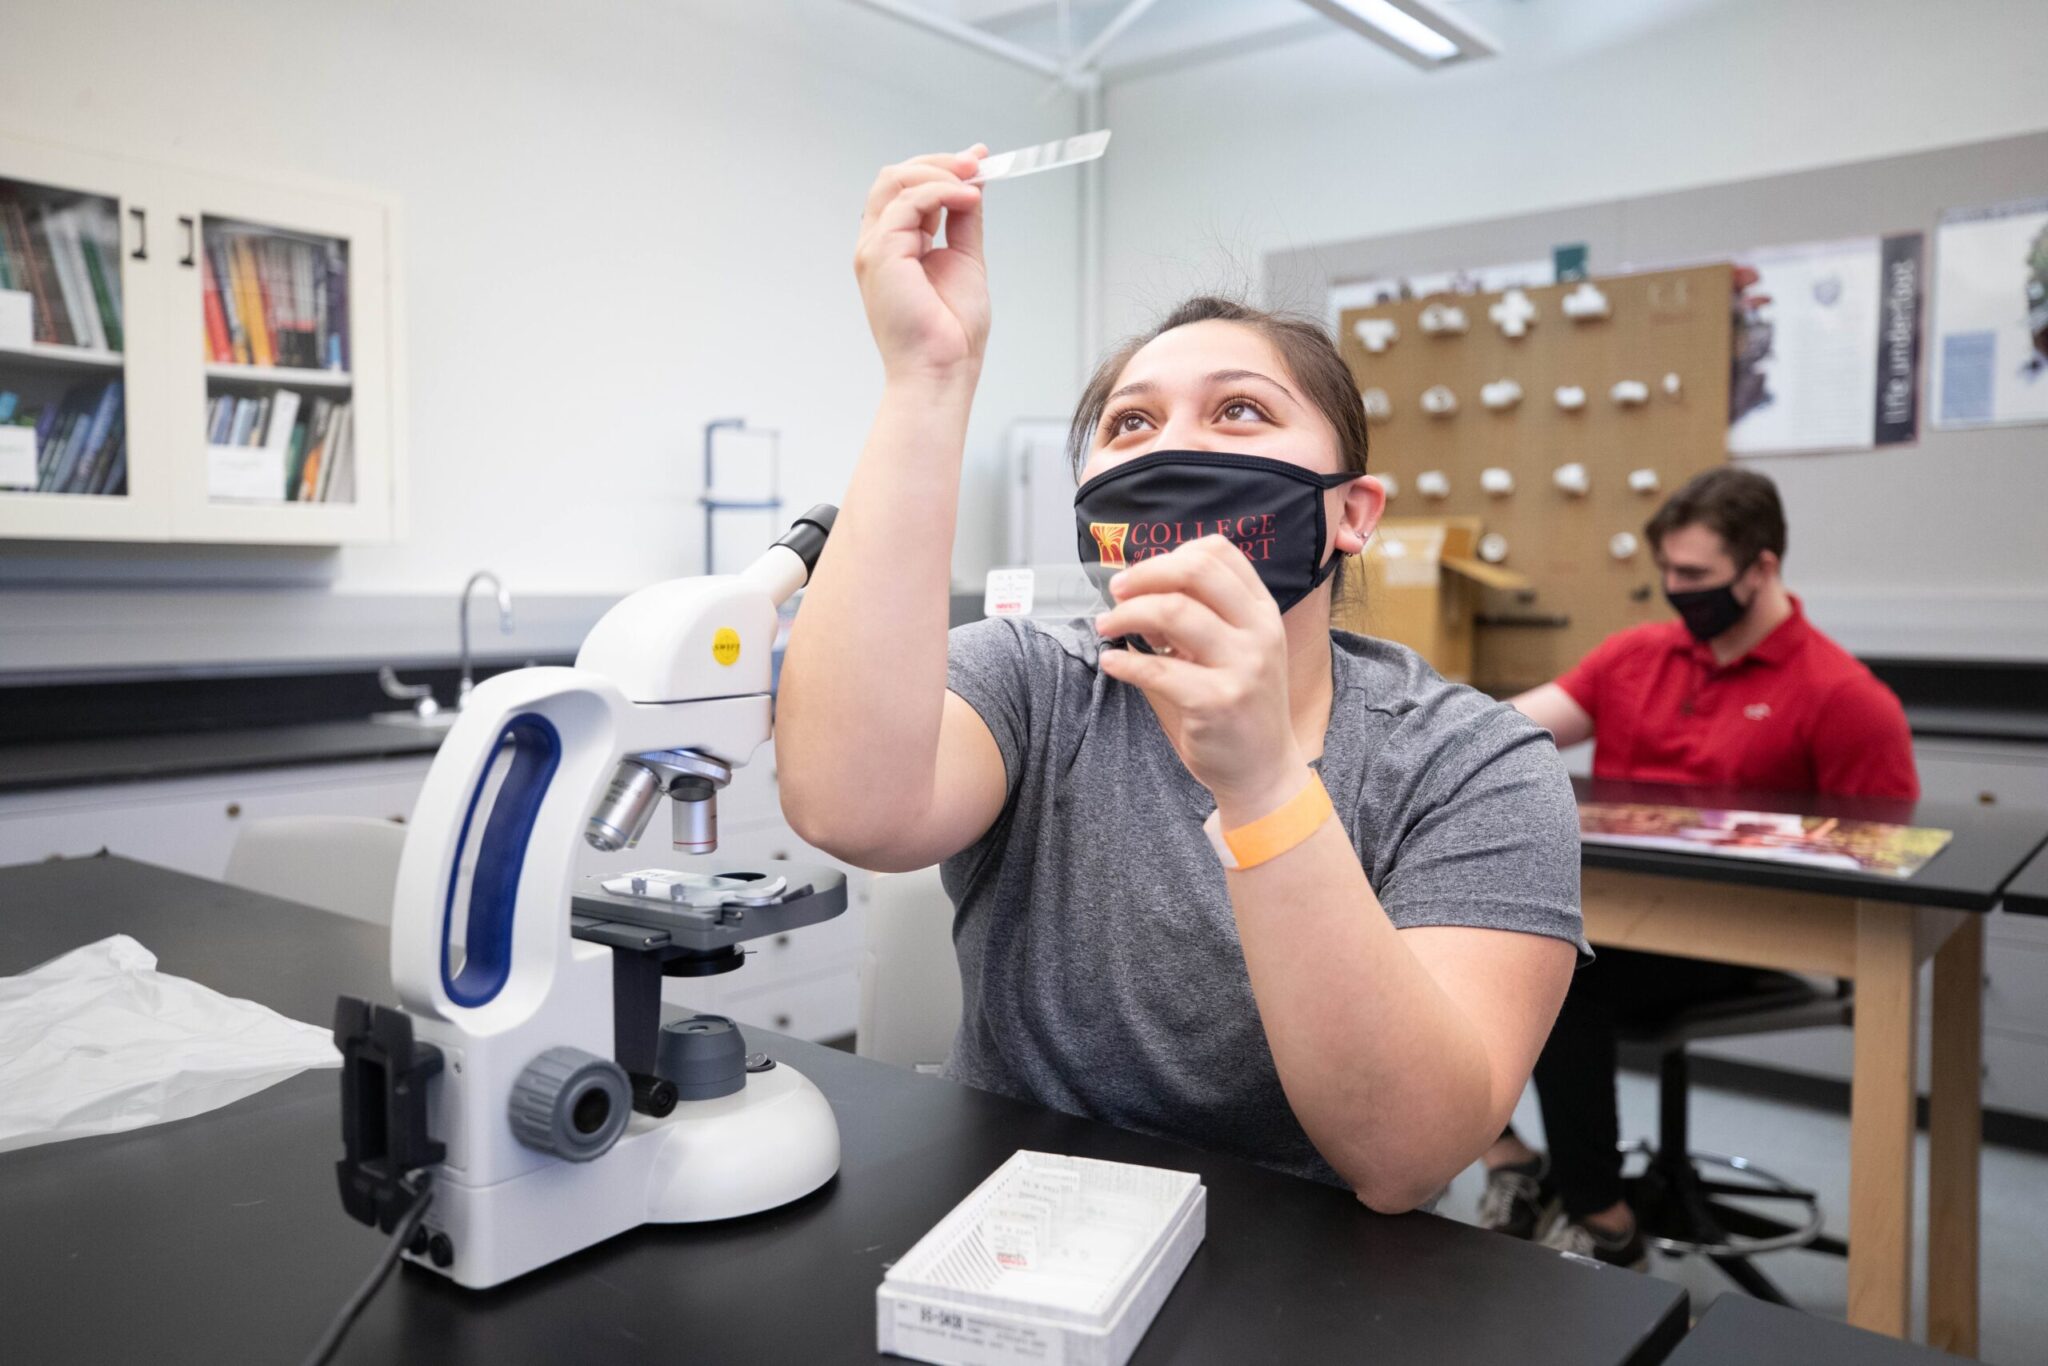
(462, 611)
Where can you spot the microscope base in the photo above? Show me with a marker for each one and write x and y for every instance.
(772, 1142)
(760, 1148)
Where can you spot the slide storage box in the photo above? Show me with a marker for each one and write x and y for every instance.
(1056, 1261)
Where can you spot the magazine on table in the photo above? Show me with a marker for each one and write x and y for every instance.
(1769, 836)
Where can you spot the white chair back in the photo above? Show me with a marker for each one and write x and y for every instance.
(344, 864)
(909, 978)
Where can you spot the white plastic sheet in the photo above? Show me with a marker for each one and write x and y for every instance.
(97, 1041)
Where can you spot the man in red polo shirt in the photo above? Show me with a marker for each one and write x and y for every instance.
(1742, 691)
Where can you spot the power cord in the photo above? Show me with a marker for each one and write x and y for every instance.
(423, 1196)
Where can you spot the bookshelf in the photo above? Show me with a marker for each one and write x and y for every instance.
(194, 357)
(228, 376)
(39, 355)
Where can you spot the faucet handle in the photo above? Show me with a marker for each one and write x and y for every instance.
(421, 695)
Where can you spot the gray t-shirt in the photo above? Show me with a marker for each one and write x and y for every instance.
(1100, 967)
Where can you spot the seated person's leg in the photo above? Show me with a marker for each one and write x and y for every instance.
(1575, 1083)
(1575, 1075)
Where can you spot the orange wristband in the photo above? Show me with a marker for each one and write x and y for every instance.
(1274, 833)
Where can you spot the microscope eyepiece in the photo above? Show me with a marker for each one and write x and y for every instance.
(806, 536)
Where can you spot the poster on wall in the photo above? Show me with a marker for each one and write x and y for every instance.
(1991, 315)
(1826, 346)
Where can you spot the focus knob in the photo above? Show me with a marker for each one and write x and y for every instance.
(570, 1103)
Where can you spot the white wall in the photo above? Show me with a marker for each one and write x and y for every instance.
(1330, 140)
(621, 219)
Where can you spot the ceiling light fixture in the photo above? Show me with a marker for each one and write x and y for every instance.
(1414, 30)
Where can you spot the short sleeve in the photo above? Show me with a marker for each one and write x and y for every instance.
(1862, 745)
(987, 667)
(1492, 840)
(1586, 680)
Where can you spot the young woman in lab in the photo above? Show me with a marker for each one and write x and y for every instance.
(1220, 872)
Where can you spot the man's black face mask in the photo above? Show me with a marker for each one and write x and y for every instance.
(1709, 612)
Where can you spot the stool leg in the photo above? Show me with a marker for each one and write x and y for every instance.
(1739, 1270)
(1674, 1121)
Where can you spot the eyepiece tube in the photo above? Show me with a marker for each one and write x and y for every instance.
(786, 566)
(806, 536)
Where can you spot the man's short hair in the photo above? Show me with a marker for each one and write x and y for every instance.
(1739, 506)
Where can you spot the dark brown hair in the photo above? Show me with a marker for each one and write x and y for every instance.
(1301, 342)
(1739, 506)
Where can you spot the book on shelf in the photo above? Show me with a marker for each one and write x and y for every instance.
(65, 255)
(80, 437)
(66, 258)
(277, 422)
(274, 299)
(219, 344)
(311, 434)
(249, 297)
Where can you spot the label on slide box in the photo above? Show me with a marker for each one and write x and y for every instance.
(946, 1332)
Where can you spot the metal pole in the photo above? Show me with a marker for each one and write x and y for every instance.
(1092, 215)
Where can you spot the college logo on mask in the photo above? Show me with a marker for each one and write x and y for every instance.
(1109, 540)
(1271, 510)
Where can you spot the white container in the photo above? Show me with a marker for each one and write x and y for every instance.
(1052, 1259)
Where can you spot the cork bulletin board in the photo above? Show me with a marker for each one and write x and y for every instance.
(1658, 324)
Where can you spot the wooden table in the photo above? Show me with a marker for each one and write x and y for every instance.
(1876, 931)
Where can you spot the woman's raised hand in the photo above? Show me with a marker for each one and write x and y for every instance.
(927, 305)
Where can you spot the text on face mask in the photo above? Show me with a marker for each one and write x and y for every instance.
(1252, 535)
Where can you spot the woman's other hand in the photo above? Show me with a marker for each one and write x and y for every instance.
(927, 305)
(1221, 692)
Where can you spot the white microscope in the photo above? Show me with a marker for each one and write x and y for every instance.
(528, 1072)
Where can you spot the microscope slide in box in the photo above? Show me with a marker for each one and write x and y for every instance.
(1051, 1260)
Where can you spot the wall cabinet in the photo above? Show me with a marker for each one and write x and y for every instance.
(194, 357)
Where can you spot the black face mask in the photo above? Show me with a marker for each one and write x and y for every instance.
(1272, 510)
(1708, 612)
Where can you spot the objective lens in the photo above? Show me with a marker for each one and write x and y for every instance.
(694, 821)
(625, 809)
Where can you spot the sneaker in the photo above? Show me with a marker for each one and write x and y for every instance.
(1627, 1250)
(1519, 1199)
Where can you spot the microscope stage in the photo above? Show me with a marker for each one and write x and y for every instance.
(670, 912)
